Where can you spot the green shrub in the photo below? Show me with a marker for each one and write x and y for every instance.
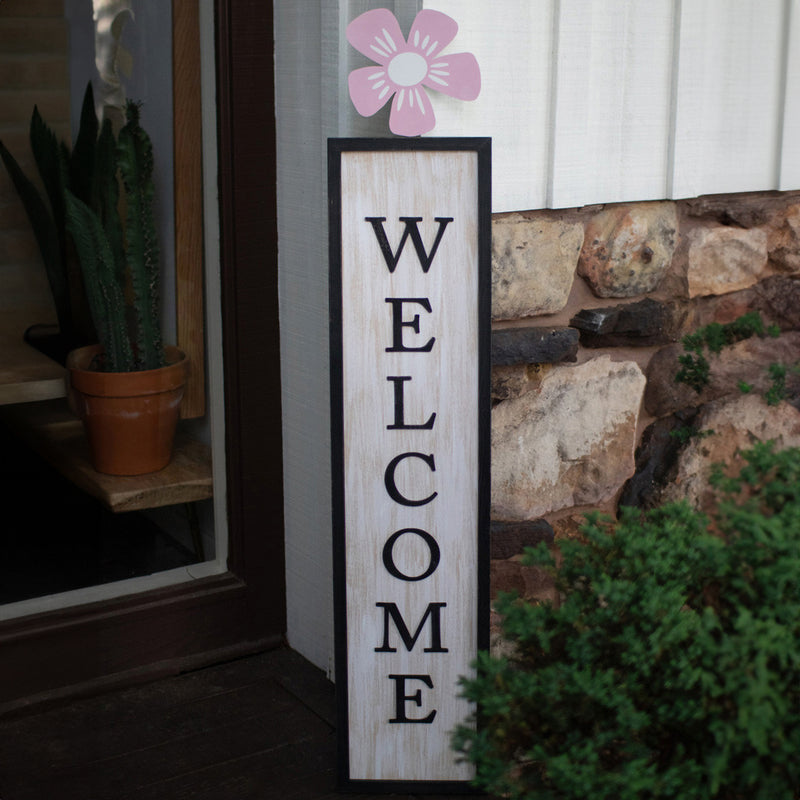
(671, 666)
(695, 369)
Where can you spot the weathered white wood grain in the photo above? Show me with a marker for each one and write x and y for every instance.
(445, 382)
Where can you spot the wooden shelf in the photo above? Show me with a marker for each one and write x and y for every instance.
(25, 373)
(57, 435)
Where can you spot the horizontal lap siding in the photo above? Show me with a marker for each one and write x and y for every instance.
(609, 100)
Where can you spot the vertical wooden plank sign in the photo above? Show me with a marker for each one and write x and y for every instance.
(410, 317)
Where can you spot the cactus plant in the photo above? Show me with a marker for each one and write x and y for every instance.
(117, 260)
(58, 168)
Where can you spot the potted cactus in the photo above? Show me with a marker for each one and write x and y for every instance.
(128, 388)
(59, 167)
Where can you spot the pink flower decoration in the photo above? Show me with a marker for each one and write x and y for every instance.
(408, 66)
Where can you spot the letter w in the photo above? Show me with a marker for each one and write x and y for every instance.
(411, 229)
(390, 611)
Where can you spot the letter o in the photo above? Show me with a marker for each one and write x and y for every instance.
(388, 558)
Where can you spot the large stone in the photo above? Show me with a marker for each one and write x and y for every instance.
(533, 265)
(511, 538)
(534, 345)
(657, 458)
(745, 361)
(643, 324)
(779, 298)
(747, 210)
(724, 308)
(776, 298)
(734, 424)
(568, 443)
(628, 248)
(784, 241)
(724, 259)
(530, 582)
(516, 379)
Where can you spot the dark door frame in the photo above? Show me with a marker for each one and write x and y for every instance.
(89, 648)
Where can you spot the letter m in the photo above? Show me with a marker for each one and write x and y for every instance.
(411, 229)
(392, 613)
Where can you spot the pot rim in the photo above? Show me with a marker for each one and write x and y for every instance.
(124, 384)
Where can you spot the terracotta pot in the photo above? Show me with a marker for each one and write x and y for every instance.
(129, 417)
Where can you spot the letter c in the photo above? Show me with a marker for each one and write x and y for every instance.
(391, 486)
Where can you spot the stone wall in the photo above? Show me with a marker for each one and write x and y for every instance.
(590, 307)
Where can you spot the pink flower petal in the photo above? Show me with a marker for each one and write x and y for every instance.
(370, 89)
(376, 34)
(431, 32)
(456, 75)
(412, 112)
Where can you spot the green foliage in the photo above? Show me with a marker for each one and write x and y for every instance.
(82, 161)
(777, 389)
(82, 199)
(59, 169)
(685, 433)
(671, 666)
(695, 369)
(46, 225)
(103, 287)
(135, 153)
(47, 238)
(115, 257)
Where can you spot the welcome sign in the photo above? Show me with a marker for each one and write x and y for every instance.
(410, 316)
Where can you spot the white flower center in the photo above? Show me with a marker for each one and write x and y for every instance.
(407, 69)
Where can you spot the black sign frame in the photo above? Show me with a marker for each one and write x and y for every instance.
(336, 149)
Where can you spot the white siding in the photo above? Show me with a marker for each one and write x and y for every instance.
(514, 104)
(727, 121)
(790, 150)
(587, 101)
(611, 135)
(593, 101)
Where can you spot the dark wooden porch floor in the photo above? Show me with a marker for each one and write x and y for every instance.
(259, 728)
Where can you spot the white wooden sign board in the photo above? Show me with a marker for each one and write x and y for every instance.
(410, 318)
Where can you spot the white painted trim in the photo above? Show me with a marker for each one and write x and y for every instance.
(213, 302)
(111, 591)
(305, 116)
